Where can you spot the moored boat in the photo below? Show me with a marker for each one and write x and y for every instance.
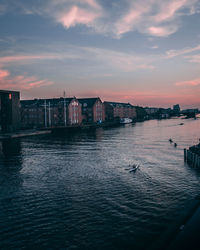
(125, 120)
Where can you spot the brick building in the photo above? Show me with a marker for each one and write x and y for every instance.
(50, 112)
(9, 110)
(114, 110)
(92, 110)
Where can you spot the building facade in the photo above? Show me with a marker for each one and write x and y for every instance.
(53, 112)
(92, 110)
(114, 110)
(9, 110)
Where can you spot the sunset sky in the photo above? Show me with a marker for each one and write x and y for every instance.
(146, 52)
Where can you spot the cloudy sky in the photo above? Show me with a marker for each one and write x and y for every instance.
(144, 52)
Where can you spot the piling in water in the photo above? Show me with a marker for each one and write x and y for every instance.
(192, 156)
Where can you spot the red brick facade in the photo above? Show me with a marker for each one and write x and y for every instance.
(50, 112)
(115, 110)
(92, 110)
(74, 112)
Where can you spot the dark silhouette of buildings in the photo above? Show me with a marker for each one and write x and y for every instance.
(176, 109)
(9, 110)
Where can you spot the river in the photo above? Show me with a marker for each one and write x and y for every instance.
(74, 192)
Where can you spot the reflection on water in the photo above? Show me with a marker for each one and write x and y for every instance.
(74, 192)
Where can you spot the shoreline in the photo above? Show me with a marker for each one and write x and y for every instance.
(64, 129)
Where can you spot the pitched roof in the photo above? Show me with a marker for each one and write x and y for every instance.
(119, 104)
(89, 101)
(40, 102)
(8, 92)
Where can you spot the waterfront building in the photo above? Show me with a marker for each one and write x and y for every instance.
(141, 113)
(151, 110)
(176, 109)
(190, 113)
(9, 110)
(92, 110)
(52, 112)
(186, 111)
(164, 113)
(158, 113)
(115, 110)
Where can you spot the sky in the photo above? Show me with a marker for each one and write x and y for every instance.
(143, 52)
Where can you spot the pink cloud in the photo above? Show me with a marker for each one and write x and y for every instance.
(92, 3)
(3, 74)
(20, 82)
(194, 82)
(10, 59)
(161, 31)
(173, 53)
(194, 58)
(168, 10)
(123, 17)
(149, 16)
(76, 16)
(82, 12)
(133, 17)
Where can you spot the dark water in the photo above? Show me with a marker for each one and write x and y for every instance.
(74, 192)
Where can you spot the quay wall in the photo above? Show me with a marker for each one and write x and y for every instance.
(192, 158)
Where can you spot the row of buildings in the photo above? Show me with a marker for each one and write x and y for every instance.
(58, 112)
(161, 113)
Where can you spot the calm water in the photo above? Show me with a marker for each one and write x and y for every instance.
(74, 192)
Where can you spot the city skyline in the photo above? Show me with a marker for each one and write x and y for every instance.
(145, 53)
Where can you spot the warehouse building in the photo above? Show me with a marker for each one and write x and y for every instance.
(54, 112)
(9, 110)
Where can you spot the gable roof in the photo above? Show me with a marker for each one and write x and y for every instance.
(119, 104)
(52, 101)
(89, 101)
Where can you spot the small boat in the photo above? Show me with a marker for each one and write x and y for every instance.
(125, 120)
(133, 168)
(181, 123)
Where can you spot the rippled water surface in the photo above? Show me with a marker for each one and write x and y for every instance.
(74, 192)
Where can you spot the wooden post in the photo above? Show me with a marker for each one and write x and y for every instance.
(195, 160)
(192, 159)
(188, 155)
(198, 161)
(185, 154)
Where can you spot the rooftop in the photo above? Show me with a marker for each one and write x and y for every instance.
(117, 104)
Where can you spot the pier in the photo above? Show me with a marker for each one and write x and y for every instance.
(192, 156)
(57, 130)
(22, 133)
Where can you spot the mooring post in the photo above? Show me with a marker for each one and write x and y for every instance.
(185, 154)
(195, 160)
(189, 156)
